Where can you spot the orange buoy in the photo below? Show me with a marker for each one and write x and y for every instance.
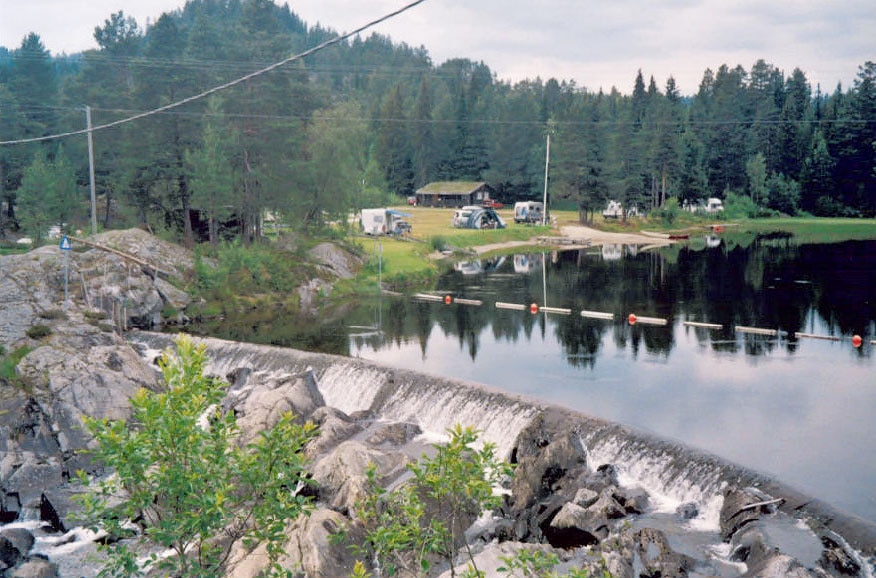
(533, 308)
(448, 299)
(632, 318)
(857, 341)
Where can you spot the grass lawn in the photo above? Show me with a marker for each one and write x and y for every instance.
(407, 262)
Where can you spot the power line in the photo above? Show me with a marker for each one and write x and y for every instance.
(226, 85)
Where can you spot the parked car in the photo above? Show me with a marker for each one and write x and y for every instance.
(492, 204)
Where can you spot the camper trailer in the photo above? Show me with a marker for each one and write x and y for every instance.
(615, 210)
(528, 212)
(714, 205)
(384, 222)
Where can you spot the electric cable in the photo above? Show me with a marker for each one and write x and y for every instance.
(221, 87)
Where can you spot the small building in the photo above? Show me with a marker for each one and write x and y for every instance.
(453, 194)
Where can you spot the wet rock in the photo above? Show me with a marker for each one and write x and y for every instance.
(837, 560)
(34, 568)
(34, 475)
(574, 526)
(334, 426)
(267, 397)
(656, 557)
(20, 539)
(539, 474)
(687, 511)
(778, 565)
(634, 500)
(585, 497)
(532, 439)
(749, 544)
(396, 434)
(10, 505)
(741, 507)
(10, 555)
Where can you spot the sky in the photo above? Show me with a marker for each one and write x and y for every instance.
(595, 43)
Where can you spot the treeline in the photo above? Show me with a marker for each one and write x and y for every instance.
(366, 122)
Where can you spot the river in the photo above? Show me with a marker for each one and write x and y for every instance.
(792, 405)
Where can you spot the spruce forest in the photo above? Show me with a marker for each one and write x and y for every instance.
(367, 121)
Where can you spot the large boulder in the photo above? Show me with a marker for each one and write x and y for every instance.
(743, 506)
(541, 473)
(341, 474)
(310, 549)
(266, 397)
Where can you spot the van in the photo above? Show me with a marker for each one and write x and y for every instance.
(528, 212)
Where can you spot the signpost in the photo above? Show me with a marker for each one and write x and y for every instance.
(66, 247)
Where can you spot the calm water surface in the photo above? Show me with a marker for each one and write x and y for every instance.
(799, 408)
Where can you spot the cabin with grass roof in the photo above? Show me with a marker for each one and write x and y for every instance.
(454, 194)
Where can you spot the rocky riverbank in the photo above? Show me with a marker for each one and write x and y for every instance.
(596, 494)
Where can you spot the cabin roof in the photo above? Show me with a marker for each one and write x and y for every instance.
(452, 188)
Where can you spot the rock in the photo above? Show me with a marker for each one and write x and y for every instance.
(310, 549)
(334, 426)
(837, 560)
(687, 511)
(314, 550)
(532, 439)
(574, 526)
(585, 497)
(633, 500)
(394, 434)
(778, 565)
(268, 397)
(341, 473)
(657, 559)
(335, 260)
(538, 474)
(10, 555)
(20, 538)
(33, 476)
(34, 568)
(741, 507)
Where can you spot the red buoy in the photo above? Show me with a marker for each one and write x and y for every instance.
(533, 308)
(857, 341)
(448, 299)
(632, 318)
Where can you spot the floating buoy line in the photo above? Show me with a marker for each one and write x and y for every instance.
(634, 319)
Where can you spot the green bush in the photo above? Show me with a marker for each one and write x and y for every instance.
(669, 212)
(9, 362)
(188, 483)
(402, 530)
(38, 331)
(54, 314)
(438, 242)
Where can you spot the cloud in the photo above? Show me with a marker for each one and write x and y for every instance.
(597, 44)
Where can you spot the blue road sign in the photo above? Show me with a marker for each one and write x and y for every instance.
(65, 243)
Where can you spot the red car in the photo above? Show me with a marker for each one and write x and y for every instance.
(491, 204)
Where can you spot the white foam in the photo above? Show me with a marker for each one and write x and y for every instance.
(654, 472)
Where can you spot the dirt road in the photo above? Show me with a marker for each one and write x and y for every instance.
(578, 236)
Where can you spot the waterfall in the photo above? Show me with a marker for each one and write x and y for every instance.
(670, 472)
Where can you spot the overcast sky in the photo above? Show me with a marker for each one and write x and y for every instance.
(596, 43)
